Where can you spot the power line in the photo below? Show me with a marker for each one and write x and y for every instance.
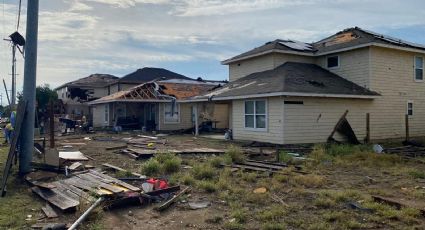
(19, 15)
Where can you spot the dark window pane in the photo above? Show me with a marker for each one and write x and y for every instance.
(260, 121)
(249, 107)
(419, 73)
(249, 121)
(260, 107)
(333, 61)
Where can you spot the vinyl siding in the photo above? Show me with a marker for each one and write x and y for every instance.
(185, 118)
(274, 132)
(392, 75)
(353, 66)
(313, 121)
(265, 62)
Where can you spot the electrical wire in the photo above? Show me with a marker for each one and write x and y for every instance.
(19, 15)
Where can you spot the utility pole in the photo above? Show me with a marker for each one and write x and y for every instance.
(13, 101)
(30, 72)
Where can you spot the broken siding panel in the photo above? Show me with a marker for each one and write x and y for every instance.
(185, 118)
(353, 66)
(392, 75)
(274, 133)
(313, 121)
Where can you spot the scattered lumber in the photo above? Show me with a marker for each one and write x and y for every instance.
(169, 202)
(396, 203)
(49, 212)
(73, 156)
(116, 168)
(75, 165)
(117, 147)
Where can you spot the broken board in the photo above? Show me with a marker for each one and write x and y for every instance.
(73, 156)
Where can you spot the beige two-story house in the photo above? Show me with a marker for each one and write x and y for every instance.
(287, 91)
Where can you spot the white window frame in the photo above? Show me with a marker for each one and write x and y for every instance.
(407, 108)
(416, 67)
(334, 67)
(254, 114)
(178, 111)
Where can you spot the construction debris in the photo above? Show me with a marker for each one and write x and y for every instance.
(260, 190)
(49, 212)
(169, 202)
(74, 166)
(86, 213)
(199, 205)
(397, 203)
(73, 156)
(344, 128)
(116, 168)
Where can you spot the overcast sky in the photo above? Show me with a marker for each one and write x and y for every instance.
(191, 37)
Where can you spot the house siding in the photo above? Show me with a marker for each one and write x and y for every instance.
(354, 65)
(185, 118)
(274, 132)
(313, 121)
(392, 75)
(265, 62)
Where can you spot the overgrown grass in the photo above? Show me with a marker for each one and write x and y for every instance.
(162, 163)
(235, 154)
(203, 172)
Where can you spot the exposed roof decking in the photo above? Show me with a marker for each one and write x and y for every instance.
(93, 81)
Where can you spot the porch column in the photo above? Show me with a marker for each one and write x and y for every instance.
(196, 120)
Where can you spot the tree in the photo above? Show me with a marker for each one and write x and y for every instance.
(43, 94)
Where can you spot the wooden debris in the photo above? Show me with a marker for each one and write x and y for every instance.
(73, 156)
(165, 190)
(55, 226)
(116, 168)
(169, 202)
(49, 212)
(56, 199)
(69, 143)
(75, 166)
(396, 203)
(116, 147)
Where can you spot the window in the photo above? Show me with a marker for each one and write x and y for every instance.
(255, 114)
(333, 62)
(171, 113)
(419, 68)
(106, 107)
(410, 108)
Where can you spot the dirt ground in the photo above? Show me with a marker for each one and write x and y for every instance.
(334, 178)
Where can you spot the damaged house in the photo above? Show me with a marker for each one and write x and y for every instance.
(75, 95)
(159, 105)
(287, 91)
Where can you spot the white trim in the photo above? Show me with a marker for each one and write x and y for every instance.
(171, 122)
(254, 114)
(333, 67)
(415, 67)
(407, 108)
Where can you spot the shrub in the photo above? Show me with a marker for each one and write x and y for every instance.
(417, 174)
(151, 167)
(187, 179)
(171, 165)
(207, 186)
(203, 171)
(235, 154)
(216, 162)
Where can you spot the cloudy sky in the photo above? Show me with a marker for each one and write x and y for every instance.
(191, 37)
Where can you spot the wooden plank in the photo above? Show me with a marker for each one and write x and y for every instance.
(116, 147)
(75, 155)
(21, 111)
(123, 184)
(116, 168)
(262, 165)
(76, 190)
(58, 200)
(82, 184)
(100, 184)
(49, 212)
(75, 165)
(169, 202)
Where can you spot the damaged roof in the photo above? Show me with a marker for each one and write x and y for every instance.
(291, 78)
(348, 38)
(159, 91)
(148, 74)
(95, 80)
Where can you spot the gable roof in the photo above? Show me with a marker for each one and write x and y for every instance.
(95, 80)
(148, 74)
(291, 79)
(159, 91)
(346, 39)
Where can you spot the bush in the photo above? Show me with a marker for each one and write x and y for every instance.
(151, 167)
(203, 171)
(235, 154)
(171, 165)
(187, 179)
(207, 186)
(417, 174)
(216, 162)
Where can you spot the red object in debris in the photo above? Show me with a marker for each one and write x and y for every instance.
(158, 183)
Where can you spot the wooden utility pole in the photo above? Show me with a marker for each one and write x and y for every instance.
(30, 74)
